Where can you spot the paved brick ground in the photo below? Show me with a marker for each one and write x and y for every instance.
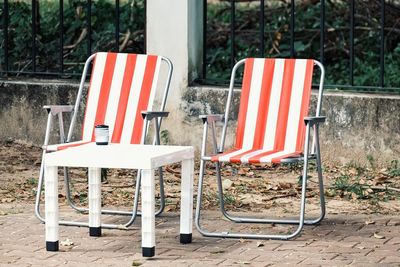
(339, 240)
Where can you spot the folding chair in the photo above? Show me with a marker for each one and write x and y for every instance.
(121, 94)
(273, 127)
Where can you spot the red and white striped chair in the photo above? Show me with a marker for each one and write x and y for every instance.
(273, 127)
(121, 95)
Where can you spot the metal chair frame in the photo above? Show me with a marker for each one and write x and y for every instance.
(148, 116)
(312, 123)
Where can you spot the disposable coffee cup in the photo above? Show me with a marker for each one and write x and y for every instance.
(101, 134)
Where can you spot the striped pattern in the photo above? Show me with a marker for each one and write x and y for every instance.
(121, 87)
(274, 101)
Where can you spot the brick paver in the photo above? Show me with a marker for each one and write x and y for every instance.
(338, 241)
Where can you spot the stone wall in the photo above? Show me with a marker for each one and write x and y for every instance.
(21, 107)
(359, 126)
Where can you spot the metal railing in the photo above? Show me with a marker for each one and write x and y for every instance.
(31, 68)
(261, 7)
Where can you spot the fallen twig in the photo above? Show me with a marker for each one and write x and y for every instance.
(118, 186)
(282, 195)
(81, 37)
(125, 41)
(383, 188)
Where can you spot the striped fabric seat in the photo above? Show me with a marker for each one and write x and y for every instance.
(121, 87)
(274, 101)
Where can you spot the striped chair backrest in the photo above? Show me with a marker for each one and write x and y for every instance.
(121, 86)
(274, 101)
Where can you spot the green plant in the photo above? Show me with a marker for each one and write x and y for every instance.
(83, 197)
(164, 134)
(229, 199)
(75, 33)
(371, 161)
(346, 186)
(394, 169)
(306, 38)
(277, 36)
(31, 181)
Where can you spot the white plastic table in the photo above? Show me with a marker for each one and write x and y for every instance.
(147, 158)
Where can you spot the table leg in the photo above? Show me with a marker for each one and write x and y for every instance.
(186, 201)
(51, 207)
(94, 201)
(148, 217)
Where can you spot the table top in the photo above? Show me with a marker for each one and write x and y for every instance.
(119, 156)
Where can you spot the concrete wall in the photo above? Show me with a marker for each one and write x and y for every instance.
(21, 107)
(357, 125)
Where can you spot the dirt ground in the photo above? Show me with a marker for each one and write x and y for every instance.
(349, 189)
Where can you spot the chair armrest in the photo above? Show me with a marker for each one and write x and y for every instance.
(314, 120)
(211, 117)
(55, 109)
(154, 114)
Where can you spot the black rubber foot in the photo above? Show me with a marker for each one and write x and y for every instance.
(102, 143)
(52, 246)
(95, 231)
(186, 238)
(149, 252)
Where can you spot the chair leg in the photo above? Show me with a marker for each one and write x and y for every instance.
(133, 214)
(41, 172)
(115, 212)
(39, 191)
(260, 220)
(300, 222)
(199, 198)
(221, 191)
(320, 178)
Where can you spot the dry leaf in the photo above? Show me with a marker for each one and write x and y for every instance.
(353, 171)
(330, 192)
(382, 178)
(378, 236)
(217, 252)
(243, 171)
(66, 243)
(369, 222)
(248, 199)
(226, 184)
(7, 200)
(169, 208)
(243, 262)
(227, 173)
(209, 172)
(249, 174)
(285, 185)
(260, 244)
(171, 170)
